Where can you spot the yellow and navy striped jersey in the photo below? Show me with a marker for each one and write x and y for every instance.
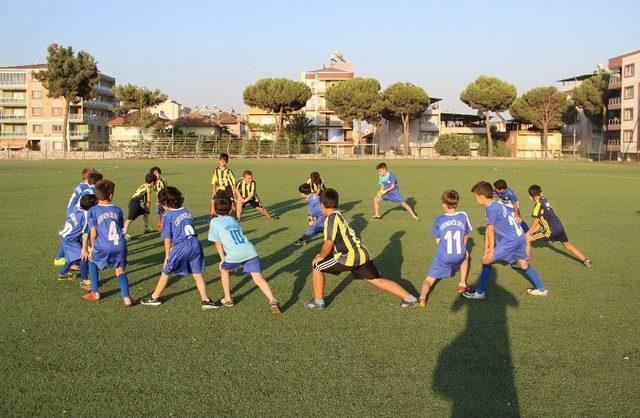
(246, 189)
(346, 245)
(222, 178)
(316, 188)
(161, 183)
(143, 194)
(548, 218)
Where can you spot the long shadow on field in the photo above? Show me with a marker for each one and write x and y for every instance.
(539, 244)
(301, 269)
(411, 201)
(476, 371)
(390, 262)
(285, 206)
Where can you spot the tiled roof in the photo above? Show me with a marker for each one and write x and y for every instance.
(195, 120)
(227, 118)
(24, 67)
(328, 70)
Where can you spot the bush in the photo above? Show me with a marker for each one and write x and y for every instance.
(500, 148)
(452, 145)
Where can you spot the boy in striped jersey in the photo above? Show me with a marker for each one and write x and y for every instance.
(139, 205)
(247, 195)
(342, 251)
(223, 182)
(161, 183)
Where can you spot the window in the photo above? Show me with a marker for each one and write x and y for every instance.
(629, 70)
(56, 111)
(36, 111)
(57, 128)
(36, 94)
(627, 114)
(628, 92)
(37, 129)
(13, 79)
(428, 137)
(627, 136)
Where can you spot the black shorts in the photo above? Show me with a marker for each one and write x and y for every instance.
(254, 202)
(226, 192)
(331, 265)
(136, 210)
(550, 235)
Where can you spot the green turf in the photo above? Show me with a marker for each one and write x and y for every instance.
(573, 354)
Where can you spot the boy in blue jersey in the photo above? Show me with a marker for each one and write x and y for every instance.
(504, 242)
(108, 246)
(72, 235)
(183, 252)
(316, 217)
(389, 191)
(451, 232)
(547, 226)
(508, 198)
(89, 178)
(236, 253)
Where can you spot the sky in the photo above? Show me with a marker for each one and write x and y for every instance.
(206, 52)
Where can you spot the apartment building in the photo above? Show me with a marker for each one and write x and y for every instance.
(29, 118)
(330, 127)
(623, 106)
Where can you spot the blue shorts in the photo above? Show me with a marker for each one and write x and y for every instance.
(393, 196)
(185, 258)
(249, 266)
(72, 250)
(314, 229)
(510, 254)
(441, 268)
(104, 258)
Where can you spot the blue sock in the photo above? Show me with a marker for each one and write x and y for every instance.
(84, 269)
(124, 285)
(524, 226)
(60, 252)
(533, 275)
(65, 268)
(319, 301)
(484, 278)
(93, 276)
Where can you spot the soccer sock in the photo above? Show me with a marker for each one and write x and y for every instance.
(484, 278)
(533, 275)
(65, 268)
(124, 285)
(319, 301)
(60, 252)
(84, 269)
(411, 298)
(524, 226)
(93, 276)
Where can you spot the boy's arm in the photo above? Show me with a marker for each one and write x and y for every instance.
(534, 227)
(516, 211)
(327, 248)
(84, 254)
(489, 242)
(167, 248)
(220, 250)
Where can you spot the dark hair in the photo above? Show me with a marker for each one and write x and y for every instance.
(535, 190)
(483, 188)
(155, 168)
(315, 178)
(381, 165)
(94, 177)
(86, 171)
(88, 201)
(224, 156)
(330, 198)
(500, 184)
(222, 205)
(149, 178)
(450, 198)
(171, 197)
(105, 189)
(305, 188)
(247, 173)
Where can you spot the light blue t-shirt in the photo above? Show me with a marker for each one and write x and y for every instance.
(228, 231)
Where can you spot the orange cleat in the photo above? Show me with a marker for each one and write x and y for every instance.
(90, 296)
(462, 289)
(128, 302)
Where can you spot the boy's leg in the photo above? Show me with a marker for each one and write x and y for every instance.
(60, 252)
(376, 206)
(126, 225)
(464, 272)
(145, 220)
(391, 287)
(263, 211)
(532, 274)
(485, 275)
(426, 287)
(162, 284)
(93, 276)
(65, 268)
(84, 270)
(239, 210)
(318, 285)
(409, 209)
(201, 285)
(574, 250)
(259, 280)
(212, 211)
(123, 281)
(225, 280)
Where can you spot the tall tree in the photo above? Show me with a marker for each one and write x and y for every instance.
(488, 94)
(140, 99)
(279, 96)
(70, 77)
(591, 97)
(543, 107)
(404, 101)
(356, 99)
(300, 127)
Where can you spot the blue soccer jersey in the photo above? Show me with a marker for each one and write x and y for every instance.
(508, 197)
(108, 222)
(74, 226)
(177, 225)
(228, 231)
(508, 232)
(450, 229)
(387, 180)
(80, 190)
(315, 212)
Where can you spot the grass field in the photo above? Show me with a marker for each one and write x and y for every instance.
(574, 353)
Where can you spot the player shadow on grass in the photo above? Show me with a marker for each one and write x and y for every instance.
(475, 371)
(410, 201)
(285, 206)
(549, 245)
(390, 262)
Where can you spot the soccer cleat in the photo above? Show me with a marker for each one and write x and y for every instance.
(74, 267)
(462, 289)
(148, 231)
(226, 303)
(274, 217)
(275, 307)
(422, 303)
(408, 303)
(208, 305)
(85, 284)
(474, 295)
(538, 292)
(312, 304)
(67, 276)
(127, 237)
(300, 242)
(587, 263)
(90, 296)
(416, 220)
(150, 301)
(376, 217)
(59, 262)
(128, 302)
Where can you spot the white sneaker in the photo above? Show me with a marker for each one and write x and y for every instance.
(538, 292)
(474, 295)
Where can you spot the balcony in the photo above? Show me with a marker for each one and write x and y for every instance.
(103, 90)
(76, 118)
(615, 82)
(100, 104)
(78, 136)
(13, 118)
(613, 146)
(12, 102)
(6, 134)
(614, 103)
(613, 124)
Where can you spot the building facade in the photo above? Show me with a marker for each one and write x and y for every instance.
(29, 118)
(169, 109)
(623, 106)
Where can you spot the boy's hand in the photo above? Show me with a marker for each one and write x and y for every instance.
(380, 193)
(166, 259)
(316, 260)
(84, 254)
(488, 256)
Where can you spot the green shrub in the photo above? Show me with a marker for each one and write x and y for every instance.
(452, 145)
(500, 148)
